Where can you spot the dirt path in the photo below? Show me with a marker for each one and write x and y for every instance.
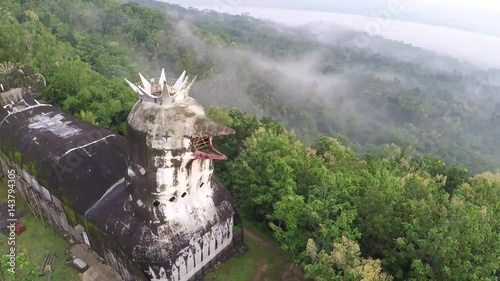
(262, 242)
(287, 271)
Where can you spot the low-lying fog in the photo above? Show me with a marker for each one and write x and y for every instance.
(479, 49)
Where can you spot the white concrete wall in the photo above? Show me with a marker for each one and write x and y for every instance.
(201, 250)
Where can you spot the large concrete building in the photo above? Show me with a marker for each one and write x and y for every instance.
(147, 203)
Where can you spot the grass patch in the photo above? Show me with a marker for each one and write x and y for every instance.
(262, 253)
(239, 268)
(36, 241)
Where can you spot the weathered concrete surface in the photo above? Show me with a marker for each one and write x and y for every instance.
(83, 252)
(100, 272)
(97, 271)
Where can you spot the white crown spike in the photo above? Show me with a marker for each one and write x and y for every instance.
(135, 88)
(188, 87)
(179, 83)
(145, 83)
(184, 83)
(145, 91)
(163, 79)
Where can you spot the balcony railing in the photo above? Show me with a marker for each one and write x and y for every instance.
(156, 81)
(155, 84)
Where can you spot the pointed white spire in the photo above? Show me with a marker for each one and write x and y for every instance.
(185, 90)
(162, 76)
(134, 87)
(188, 87)
(145, 83)
(179, 83)
(184, 83)
(163, 81)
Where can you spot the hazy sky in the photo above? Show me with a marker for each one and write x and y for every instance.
(481, 4)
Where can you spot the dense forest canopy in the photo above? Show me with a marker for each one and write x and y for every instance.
(344, 178)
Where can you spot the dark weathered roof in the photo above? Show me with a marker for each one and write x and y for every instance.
(73, 159)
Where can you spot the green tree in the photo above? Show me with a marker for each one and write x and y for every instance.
(343, 263)
(265, 172)
(88, 116)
